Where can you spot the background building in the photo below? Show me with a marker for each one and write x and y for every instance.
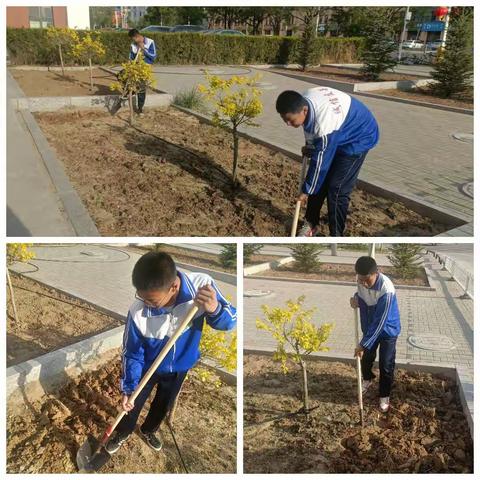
(73, 16)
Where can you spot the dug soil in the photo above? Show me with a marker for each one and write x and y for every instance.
(341, 273)
(170, 176)
(44, 436)
(193, 257)
(44, 83)
(48, 320)
(347, 75)
(424, 95)
(424, 432)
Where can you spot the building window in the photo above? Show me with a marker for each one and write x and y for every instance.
(40, 17)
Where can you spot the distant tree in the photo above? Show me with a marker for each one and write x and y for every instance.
(227, 16)
(405, 258)
(279, 15)
(250, 249)
(306, 256)
(191, 15)
(254, 18)
(161, 16)
(228, 255)
(377, 53)
(349, 21)
(454, 67)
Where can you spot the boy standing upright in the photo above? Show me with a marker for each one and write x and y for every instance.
(339, 132)
(163, 299)
(145, 47)
(380, 322)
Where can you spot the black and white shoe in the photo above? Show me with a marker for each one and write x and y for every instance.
(115, 442)
(152, 440)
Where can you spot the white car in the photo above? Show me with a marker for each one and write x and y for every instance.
(412, 44)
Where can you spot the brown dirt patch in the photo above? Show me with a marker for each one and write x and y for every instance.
(424, 432)
(48, 320)
(43, 83)
(192, 257)
(347, 75)
(44, 437)
(341, 273)
(136, 183)
(424, 95)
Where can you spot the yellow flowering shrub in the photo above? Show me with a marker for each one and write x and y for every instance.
(296, 336)
(236, 101)
(19, 252)
(88, 49)
(64, 39)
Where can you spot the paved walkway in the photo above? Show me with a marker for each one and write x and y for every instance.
(422, 312)
(33, 207)
(98, 274)
(416, 154)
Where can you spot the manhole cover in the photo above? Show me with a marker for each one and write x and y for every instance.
(256, 293)
(463, 137)
(437, 343)
(467, 189)
(265, 85)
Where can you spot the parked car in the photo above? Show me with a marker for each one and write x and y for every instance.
(412, 44)
(187, 28)
(157, 28)
(435, 45)
(220, 31)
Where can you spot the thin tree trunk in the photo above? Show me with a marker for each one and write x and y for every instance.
(61, 59)
(91, 74)
(130, 106)
(305, 386)
(235, 155)
(12, 296)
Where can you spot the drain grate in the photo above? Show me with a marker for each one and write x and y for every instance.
(467, 189)
(463, 137)
(436, 343)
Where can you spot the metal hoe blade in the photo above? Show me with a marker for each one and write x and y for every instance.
(91, 456)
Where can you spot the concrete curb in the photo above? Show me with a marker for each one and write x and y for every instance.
(395, 84)
(49, 68)
(54, 368)
(74, 208)
(247, 271)
(463, 378)
(333, 282)
(417, 204)
(418, 103)
(52, 104)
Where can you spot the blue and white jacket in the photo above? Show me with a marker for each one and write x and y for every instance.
(335, 122)
(148, 329)
(149, 54)
(379, 315)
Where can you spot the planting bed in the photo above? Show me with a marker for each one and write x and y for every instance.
(425, 430)
(340, 272)
(348, 75)
(44, 436)
(48, 320)
(44, 83)
(172, 177)
(424, 95)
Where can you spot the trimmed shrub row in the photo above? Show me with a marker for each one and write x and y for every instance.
(30, 47)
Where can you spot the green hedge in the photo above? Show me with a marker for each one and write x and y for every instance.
(30, 46)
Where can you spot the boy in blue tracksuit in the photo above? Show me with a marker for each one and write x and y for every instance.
(146, 48)
(380, 322)
(163, 299)
(339, 131)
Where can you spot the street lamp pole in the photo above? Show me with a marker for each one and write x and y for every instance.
(408, 16)
(444, 33)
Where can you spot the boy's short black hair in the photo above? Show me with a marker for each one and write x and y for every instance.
(290, 101)
(366, 266)
(132, 32)
(154, 270)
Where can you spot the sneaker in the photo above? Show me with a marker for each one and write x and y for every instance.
(366, 384)
(384, 404)
(115, 442)
(152, 440)
(307, 230)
